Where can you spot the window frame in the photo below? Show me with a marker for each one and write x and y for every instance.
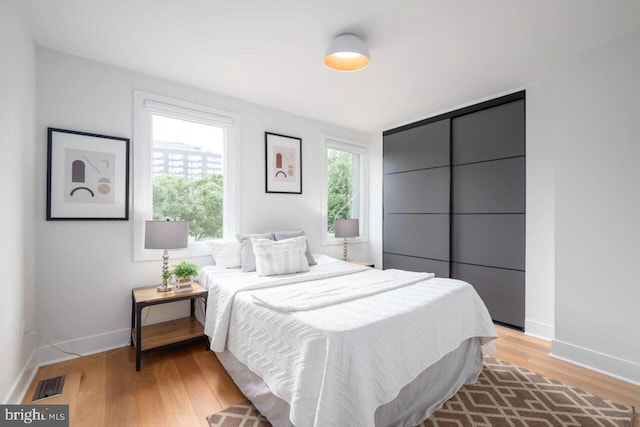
(354, 147)
(145, 105)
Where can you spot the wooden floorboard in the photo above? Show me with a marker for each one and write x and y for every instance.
(180, 386)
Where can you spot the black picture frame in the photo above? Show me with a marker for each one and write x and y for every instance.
(283, 163)
(87, 176)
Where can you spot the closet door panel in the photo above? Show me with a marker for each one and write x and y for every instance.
(454, 200)
(493, 133)
(489, 240)
(488, 187)
(401, 262)
(419, 235)
(422, 147)
(423, 191)
(502, 291)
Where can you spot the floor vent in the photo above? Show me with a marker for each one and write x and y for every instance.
(49, 388)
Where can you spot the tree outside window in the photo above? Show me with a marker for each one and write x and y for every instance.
(188, 182)
(340, 186)
(343, 185)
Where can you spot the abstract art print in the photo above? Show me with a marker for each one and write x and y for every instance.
(87, 176)
(283, 164)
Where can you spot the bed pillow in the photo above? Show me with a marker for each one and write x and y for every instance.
(247, 257)
(226, 253)
(274, 257)
(282, 235)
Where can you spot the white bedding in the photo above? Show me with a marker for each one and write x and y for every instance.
(335, 365)
(321, 293)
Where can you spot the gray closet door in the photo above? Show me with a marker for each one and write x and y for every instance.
(422, 191)
(408, 263)
(489, 187)
(488, 207)
(417, 198)
(501, 290)
(454, 201)
(421, 147)
(489, 134)
(421, 235)
(490, 239)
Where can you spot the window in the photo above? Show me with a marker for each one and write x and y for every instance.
(344, 186)
(184, 170)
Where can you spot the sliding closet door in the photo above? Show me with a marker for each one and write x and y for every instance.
(488, 207)
(416, 198)
(454, 200)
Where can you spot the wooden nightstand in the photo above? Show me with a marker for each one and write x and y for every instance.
(364, 263)
(165, 333)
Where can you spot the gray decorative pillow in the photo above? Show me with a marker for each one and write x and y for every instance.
(247, 256)
(283, 235)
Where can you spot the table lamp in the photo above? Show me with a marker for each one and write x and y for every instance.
(346, 228)
(166, 235)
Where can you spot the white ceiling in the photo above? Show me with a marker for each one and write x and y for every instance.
(426, 55)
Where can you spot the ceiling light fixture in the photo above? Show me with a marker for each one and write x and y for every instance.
(347, 52)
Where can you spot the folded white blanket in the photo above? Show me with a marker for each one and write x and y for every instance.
(223, 288)
(322, 293)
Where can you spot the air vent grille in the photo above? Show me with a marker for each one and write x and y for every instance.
(49, 388)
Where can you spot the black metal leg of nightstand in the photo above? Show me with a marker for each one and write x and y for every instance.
(204, 297)
(138, 335)
(133, 319)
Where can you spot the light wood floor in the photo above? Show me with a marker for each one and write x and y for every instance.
(182, 385)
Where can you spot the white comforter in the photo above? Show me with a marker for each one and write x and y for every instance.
(322, 293)
(335, 365)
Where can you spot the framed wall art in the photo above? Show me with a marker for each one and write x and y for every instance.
(87, 176)
(283, 163)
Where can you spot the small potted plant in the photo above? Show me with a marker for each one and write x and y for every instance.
(184, 273)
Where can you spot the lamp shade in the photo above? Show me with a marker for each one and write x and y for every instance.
(346, 227)
(347, 52)
(166, 234)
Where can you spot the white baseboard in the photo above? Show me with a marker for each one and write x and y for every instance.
(45, 355)
(23, 382)
(539, 329)
(84, 346)
(596, 361)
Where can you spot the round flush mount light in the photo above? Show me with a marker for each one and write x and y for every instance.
(347, 52)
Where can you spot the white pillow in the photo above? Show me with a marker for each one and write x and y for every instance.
(226, 253)
(275, 257)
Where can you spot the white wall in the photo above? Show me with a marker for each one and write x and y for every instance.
(85, 270)
(540, 220)
(597, 208)
(17, 168)
(375, 199)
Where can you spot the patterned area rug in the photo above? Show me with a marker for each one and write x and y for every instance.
(505, 395)
(241, 415)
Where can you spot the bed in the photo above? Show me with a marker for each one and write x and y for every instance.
(387, 351)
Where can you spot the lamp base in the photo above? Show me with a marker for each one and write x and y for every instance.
(164, 288)
(344, 250)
